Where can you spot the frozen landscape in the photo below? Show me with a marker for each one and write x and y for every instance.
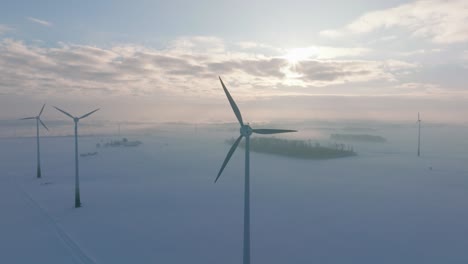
(157, 203)
(349, 119)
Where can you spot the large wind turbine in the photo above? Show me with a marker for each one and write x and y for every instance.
(419, 135)
(38, 120)
(77, 179)
(245, 131)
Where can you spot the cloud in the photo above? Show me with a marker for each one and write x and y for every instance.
(420, 52)
(197, 44)
(255, 67)
(255, 45)
(40, 21)
(4, 29)
(418, 88)
(324, 52)
(441, 21)
(180, 69)
(328, 72)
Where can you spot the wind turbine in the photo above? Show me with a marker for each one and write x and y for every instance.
(419, 135)
(245, 131)
(38, 120)
(77, 179)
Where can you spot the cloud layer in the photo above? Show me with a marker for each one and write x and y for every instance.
(441, 21)
(188, 66)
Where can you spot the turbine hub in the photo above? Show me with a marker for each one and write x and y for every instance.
(246, 130)
(76, 119)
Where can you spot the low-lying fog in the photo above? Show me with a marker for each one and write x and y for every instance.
(157, 202)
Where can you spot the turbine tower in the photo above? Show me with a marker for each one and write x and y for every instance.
(245, 131)
(419, 135)
(77, 179)
(38, 120)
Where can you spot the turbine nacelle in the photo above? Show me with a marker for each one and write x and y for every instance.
(246, 131)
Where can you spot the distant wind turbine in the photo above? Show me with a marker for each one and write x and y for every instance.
(419, 135)
(245, 131)
(38, 120)
(77, 179)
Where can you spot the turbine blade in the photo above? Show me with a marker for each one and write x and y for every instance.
(26, 118)
(42, 109)
(89, 113)
(64, 112)
(228, 156)
(233, 104)
(266, 131)
(42, 123)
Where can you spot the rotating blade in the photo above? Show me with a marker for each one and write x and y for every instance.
(64, 112)
(233, 104)
(42, 109)
(88, 114)
(42, 123)
(26, 118)
(228, 156)
(266, 131)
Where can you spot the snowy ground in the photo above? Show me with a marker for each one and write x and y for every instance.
(157, 203)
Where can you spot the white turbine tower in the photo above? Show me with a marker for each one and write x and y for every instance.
(38, 120)
(419, 135)
(245, 131)
(77, 179)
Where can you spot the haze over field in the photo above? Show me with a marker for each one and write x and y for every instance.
(157, 202)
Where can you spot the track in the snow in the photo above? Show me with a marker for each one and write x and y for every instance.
(77, 253)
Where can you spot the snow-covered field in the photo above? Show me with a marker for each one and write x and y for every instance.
(157, 203)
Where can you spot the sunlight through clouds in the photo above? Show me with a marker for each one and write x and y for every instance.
(133, 69)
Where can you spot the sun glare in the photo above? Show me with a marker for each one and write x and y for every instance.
(299, 54)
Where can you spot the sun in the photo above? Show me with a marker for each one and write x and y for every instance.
(295, 55)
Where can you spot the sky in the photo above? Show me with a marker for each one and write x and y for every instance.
(159, 61)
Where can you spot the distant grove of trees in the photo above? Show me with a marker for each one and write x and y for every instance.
(297, 148)
(120, 143)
